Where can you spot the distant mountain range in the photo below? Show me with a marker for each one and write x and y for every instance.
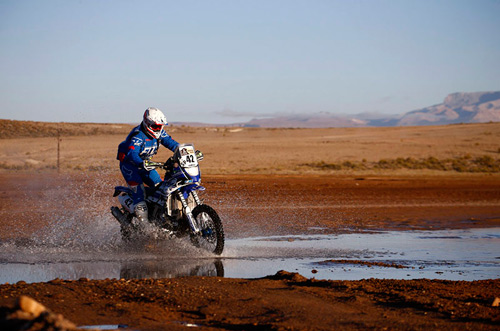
(474, 107)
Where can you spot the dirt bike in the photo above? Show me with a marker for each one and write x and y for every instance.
(174, 206)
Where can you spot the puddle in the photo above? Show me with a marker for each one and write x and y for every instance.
(105, 327)
(471, 254)
(453, 255)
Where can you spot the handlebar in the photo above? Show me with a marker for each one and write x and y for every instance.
(170, 161)
(153, 165)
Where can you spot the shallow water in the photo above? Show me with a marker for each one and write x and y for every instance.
(470, 254)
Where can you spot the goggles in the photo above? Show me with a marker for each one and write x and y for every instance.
(156, 127)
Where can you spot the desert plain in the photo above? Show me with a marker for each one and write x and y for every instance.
(263, 182)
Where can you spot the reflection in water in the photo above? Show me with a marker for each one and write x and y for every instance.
(171, 268)
(470, 254)
(71, 270)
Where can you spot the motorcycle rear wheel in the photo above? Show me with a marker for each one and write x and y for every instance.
(212, 232)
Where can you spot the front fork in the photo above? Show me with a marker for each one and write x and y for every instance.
(193, 224)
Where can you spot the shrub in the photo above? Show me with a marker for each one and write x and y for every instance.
(464, 163)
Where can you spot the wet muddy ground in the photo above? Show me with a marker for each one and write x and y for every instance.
(330, 228)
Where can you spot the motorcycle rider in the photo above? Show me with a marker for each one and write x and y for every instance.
(136, 150)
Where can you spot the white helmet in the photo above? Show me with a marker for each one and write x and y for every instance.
(153, 122)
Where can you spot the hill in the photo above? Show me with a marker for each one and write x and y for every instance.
(478, 107)
(32, 129)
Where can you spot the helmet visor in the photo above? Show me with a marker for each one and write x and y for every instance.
(156, 127)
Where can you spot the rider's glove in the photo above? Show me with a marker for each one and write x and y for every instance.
(199, 155)
(169, 164)
(146, 164)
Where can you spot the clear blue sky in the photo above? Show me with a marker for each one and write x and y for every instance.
(224, 61)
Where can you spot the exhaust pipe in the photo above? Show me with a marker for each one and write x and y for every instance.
(118, 214)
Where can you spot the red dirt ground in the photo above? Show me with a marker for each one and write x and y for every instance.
(267, 205)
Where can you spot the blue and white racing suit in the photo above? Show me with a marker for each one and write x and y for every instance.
(132, 152)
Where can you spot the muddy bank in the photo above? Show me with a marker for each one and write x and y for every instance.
(256, 205)
(279, 205)
(285, 301)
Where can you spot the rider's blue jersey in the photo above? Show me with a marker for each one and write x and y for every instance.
(138, 146)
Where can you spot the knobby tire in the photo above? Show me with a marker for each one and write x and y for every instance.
(217, 226)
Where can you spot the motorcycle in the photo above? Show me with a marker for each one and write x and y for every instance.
(174, 207)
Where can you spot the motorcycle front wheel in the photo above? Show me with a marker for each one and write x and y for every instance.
(212, 232)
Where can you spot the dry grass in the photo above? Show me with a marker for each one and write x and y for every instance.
(28, 129)
(92, 147)
(485, 164)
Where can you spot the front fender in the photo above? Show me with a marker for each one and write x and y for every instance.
(189, 188)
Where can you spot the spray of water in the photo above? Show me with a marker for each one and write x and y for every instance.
(74, 223)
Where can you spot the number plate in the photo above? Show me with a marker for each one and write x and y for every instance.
(187, 158)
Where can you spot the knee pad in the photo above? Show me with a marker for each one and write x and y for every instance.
(141, 211)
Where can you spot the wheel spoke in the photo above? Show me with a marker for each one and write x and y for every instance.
(212, 234)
